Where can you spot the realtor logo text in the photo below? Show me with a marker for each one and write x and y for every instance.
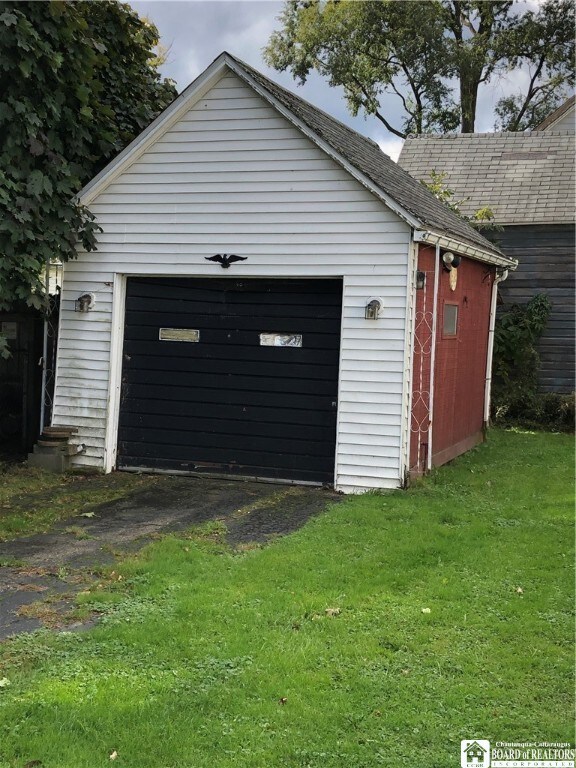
(503, 754)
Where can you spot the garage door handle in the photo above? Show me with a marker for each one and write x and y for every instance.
(334, 403)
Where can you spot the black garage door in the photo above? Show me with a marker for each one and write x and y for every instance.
(233, 376)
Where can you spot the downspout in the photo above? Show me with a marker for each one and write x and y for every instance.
(433, 356)
(45, 351)
(500, 277)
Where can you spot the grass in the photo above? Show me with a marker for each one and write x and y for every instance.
(382, 633)
(32, 500)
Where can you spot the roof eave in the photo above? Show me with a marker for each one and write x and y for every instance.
(465, 249)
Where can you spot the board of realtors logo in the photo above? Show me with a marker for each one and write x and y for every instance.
(475, 754)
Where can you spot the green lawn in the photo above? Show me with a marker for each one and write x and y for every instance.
(382, 633)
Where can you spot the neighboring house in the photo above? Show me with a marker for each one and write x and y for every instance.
(253, 308)
(527, 179)
(562, 119)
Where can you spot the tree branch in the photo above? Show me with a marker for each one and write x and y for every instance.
(532, 91)
(377, 114)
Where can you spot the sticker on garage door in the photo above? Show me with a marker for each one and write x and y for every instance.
(280, 340)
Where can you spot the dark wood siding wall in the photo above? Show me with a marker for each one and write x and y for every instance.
(20, 381)
(546, 265)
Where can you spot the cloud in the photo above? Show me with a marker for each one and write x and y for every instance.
(391, 147)
(198, 32)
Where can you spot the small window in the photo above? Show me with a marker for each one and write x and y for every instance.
(450, 325)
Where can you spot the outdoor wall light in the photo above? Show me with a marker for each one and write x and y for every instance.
(373, 308)
(84, 303)
(420, 280)
(451, 261)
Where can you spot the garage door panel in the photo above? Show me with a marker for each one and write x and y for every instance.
(189, 395)
(236, 459)
(185, 364)
(226, 351)
(203, 439)
(138, 307)
(281, 323)
(228, 426)
(136, 408)
(160, 290)
(226, 382)
(224, 401)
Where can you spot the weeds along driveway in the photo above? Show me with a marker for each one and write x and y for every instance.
(42, 573)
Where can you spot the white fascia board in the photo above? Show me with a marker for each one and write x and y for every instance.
(465, 249)
(324, 146)
(152, 133)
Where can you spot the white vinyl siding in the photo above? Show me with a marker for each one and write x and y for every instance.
(233, 176)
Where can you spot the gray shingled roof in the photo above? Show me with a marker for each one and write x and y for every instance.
(368, 158)
(525, 178)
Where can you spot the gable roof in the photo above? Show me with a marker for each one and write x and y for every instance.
(525, 178)
(361, 156)
(562, 111)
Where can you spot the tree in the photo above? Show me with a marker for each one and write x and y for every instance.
(77, 84)
(419, 50)
(482, 219)
(544, 42)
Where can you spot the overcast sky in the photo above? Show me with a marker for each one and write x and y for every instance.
(197, 31)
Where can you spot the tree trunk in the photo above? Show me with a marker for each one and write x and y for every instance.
(469, 82)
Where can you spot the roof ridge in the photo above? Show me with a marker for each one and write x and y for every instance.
(489, 134)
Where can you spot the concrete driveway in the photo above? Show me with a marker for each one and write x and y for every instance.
(41, 574)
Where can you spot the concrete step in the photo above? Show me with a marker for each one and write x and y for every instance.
(52, 462)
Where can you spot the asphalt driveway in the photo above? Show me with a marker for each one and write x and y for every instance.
(41, 574)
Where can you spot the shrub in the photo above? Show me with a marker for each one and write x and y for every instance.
(515, 395)
(549, 410)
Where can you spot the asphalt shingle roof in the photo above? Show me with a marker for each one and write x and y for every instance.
(525, 178)
(368, 158)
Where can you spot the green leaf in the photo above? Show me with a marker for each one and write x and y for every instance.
(25, 67)
(35, 183)
(8, 19)
(6, 111)
(83, 93)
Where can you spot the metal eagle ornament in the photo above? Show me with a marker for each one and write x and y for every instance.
(225, 260)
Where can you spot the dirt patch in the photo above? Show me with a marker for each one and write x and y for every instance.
(44, 572)
(277, 515)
